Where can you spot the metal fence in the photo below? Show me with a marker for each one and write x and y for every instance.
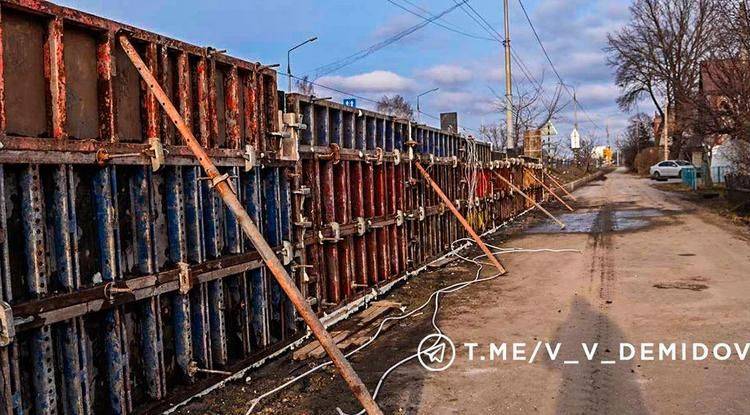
(738, 188)
(125, 278)
(719, 173)
(689, 176)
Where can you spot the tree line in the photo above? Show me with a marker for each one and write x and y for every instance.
(691, 60)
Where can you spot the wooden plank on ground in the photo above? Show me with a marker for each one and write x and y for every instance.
(320, 352)
(304, 351)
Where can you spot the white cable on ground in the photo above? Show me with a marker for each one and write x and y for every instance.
(452, 289)
(436, 295)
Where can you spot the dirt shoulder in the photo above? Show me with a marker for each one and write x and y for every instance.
(324, 391)
(713, 199)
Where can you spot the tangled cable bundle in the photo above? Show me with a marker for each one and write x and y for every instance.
(435, 296)
(471, 178)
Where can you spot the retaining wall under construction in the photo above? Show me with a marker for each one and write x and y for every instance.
(125, 280)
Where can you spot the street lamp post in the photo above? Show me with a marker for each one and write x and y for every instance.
(421, 95)
(289, 60)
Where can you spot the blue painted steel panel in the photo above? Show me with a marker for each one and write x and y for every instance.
(258, 285)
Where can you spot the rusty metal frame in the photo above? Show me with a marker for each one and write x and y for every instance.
(146, 276)
(228, 194)
(491, 257)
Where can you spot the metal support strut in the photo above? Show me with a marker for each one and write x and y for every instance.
(516, 189)
(251, 230)
(547, 188)
(559, 186)
(461, 219)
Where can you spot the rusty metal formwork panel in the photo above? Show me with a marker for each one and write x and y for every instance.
(124, 277)
(125, 274)
(364, 214)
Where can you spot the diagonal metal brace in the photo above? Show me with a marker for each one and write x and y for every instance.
(461, 219)
(559, 186)
(530, 199)
(547, 188)
(253, 233)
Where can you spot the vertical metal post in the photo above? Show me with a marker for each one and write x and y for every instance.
(258, 281)
(665, 139)
(266, 252)
(509, 141)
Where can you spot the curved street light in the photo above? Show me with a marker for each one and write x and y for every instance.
(289, 59)
(420, 95)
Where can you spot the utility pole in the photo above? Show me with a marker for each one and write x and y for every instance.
(575, 108)
(665, 139)
(509, 141)
(608, 136)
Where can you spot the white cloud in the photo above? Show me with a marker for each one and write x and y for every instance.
(598, 94)
(449, 75)
(464, 103)
(373, 82)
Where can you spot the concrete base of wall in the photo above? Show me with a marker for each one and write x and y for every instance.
(577, 184)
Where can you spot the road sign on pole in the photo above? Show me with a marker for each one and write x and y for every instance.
(549, 130)
(575, 139)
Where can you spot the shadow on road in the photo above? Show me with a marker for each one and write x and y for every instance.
(591, 387)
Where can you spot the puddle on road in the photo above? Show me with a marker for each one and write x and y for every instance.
(626, 220)
(595, 221)
(574, 223)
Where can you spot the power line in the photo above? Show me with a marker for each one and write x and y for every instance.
(341, 63)
(482, 22)
(486, 24)
(539, 40)
(351, 94)
(435, 22)
(330, 88)
(554, 69)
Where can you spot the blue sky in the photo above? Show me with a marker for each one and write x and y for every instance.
(465, 69)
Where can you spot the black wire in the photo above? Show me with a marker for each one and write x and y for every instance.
(524, 69)
(340, 91)
(435, 22)
(554, 69)
(344, 62)
(488, 25)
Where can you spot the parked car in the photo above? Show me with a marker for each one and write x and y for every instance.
(669, 168)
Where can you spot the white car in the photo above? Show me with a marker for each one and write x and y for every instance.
(669, 168)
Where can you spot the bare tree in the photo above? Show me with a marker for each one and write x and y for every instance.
(396, 106)
(305, 87)
(739, 157)
(659, 53)
(493, 133)
(586, 157)
(532, 107)
(638, 136)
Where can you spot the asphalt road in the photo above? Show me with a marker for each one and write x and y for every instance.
(653, 269)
